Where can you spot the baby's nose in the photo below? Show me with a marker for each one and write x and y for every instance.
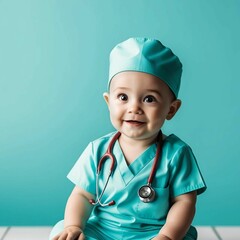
(135, 107)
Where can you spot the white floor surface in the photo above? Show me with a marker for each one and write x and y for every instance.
(41, 233)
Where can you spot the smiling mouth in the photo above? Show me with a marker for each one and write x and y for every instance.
(133, 122)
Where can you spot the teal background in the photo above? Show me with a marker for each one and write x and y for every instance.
(53, 71)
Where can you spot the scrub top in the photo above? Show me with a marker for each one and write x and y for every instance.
(130, 218)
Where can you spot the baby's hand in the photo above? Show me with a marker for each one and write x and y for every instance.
(70, 233)
(161, 237)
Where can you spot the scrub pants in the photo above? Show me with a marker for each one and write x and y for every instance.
(93, 233)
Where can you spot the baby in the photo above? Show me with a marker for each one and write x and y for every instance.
(136, 183)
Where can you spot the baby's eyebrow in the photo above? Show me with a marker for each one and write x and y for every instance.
(120, 88)
(147, 90)
(154, 91)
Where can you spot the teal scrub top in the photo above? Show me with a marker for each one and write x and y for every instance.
(177, 173)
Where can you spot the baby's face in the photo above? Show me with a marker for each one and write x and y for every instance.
(139, 103)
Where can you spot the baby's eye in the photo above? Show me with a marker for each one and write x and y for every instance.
(122, 97)
(149, 99)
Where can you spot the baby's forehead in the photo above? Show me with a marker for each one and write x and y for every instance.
(137, 81)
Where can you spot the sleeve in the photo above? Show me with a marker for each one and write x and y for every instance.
(83, 173)
(185, 174)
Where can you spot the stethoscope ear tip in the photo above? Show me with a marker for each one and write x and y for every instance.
(92, 201)
(111, 203)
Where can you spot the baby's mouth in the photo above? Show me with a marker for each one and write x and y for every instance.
(134, 122)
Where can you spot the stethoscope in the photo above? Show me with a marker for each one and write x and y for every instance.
(146, 193)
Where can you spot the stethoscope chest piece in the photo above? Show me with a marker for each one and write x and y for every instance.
(146, 193)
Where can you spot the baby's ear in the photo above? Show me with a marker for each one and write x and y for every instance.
(175, 105)
(106, 97)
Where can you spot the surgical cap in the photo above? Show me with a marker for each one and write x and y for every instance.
(148, 56)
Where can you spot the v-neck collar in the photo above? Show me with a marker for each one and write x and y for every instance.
(128, 172)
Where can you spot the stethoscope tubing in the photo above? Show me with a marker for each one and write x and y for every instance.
(99, 197)
(108, 155)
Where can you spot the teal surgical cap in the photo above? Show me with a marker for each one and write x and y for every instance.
(148, 56)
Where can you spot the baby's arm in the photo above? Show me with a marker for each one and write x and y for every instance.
(179, 217)
(77, 212)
